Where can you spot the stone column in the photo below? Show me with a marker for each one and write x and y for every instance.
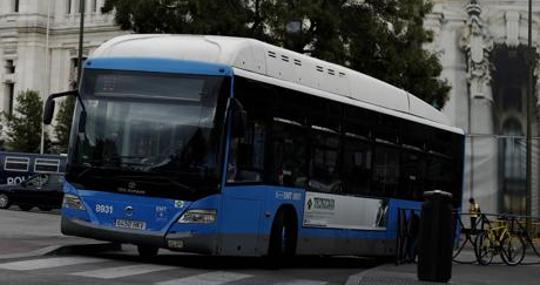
(535, 195)
(481, 153)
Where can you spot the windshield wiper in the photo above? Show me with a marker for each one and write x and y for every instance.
(89, 167)
(168, 179)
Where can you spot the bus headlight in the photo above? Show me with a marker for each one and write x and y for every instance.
(73, 202)
(198, 216)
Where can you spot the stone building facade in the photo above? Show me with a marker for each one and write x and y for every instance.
(39, 44)
(482, 45)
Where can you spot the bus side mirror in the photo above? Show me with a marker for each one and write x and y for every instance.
(239, 119)
(49, 106)
(49, 111)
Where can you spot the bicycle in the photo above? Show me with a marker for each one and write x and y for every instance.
(499, 240)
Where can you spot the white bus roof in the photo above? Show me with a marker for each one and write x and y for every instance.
(253, 58)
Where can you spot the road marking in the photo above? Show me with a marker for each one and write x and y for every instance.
(123, 271)
(302, 282)
(355, 279)
(36, 264)
(210, 278)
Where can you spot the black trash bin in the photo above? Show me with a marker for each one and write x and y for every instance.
(436, 237)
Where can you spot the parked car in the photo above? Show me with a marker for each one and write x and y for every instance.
(41, 190)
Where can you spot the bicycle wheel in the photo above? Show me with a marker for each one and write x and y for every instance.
(484, 249)
(513, 250)
(459, 244)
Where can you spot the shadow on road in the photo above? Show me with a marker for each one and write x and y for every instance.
(34, 210)
(226, 262)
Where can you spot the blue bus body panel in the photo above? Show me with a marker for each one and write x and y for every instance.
(251, 209)
(256, 205)
(159, 65)
(159, 214)
(103, 208)
(245, 217)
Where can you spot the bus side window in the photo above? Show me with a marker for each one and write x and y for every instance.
(413, 165)
(246, 162)
(440, 174)
(324, 165)
(357, 150)
(289, 154)
(386, 171)
(324, 118)
(357, 157)
(440, 171)
(289, 139)
(247, 153)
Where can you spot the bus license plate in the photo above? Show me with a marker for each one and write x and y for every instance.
(128, 224)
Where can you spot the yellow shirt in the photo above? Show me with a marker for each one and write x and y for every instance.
(474, 209)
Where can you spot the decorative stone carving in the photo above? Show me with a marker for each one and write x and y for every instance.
(536, 73)
(512, 28)
(477, 45)
(434, 21)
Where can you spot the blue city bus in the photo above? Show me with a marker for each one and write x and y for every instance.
(230, 146)
(15, 167)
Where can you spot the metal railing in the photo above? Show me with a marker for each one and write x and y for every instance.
(408, 227)
(471, 226)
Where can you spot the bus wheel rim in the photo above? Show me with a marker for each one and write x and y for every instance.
(283, 244)
(3, 201)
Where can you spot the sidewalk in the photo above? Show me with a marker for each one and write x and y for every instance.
(461, 274)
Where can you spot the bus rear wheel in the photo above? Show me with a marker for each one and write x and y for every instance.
(147, 251)
(283, 235)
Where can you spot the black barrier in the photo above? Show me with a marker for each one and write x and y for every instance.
(436, 237)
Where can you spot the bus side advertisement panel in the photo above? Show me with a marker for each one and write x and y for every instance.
(345, 212)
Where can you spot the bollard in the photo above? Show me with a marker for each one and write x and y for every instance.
(436, 238)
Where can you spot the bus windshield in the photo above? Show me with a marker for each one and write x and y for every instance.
(149, 134)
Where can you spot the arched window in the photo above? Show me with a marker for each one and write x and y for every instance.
(16, 6)
(514, 150)
(68, 6)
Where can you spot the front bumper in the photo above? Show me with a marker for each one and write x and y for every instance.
(188, 241)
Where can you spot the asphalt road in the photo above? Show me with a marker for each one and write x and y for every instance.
(26, 237)
(22, 233)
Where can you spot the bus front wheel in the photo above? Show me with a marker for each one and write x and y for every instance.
(4, 201)
(26, 207)
(283, 235)
(147, 251)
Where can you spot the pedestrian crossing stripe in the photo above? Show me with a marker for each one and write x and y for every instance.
(123, 271)
(45, 263)
(210, 278)
(302, 282)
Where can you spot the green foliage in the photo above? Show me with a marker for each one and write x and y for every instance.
(62, 127)
(381, 38)
(24, 125)
(182, 17)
